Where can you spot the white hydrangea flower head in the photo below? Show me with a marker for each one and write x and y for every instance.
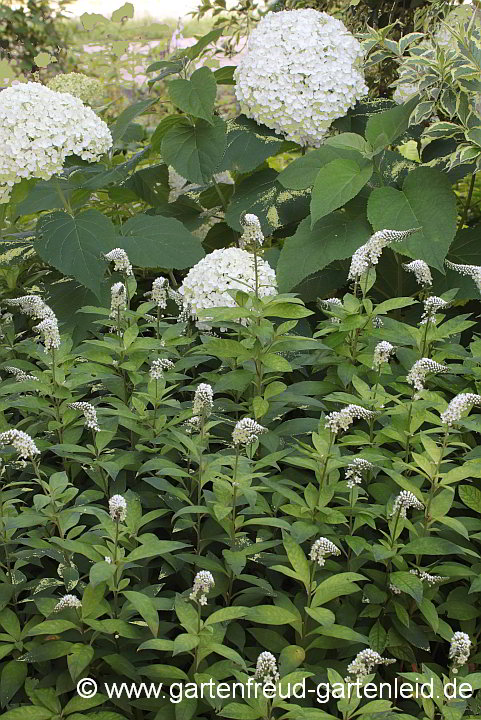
(207, 283)
(421, 271)
(321, 549)
(459, 650)
(302, 70)
(343, 419)
(421, 368)
(203, 400)
(67, 601)
(48, 328)
(266, 669)
(432, 305)
(356, 471)
(89, 413)
(87, 89)
(159, 293)
(252, 235)
(403, 502)
(118, 299)
(203, 583)
(459, 405)
(39, 128)
(368, 254)
(365, 662)
(158, 367)
(121, 261)
(20, 375)
(118, 508)
(472, 271)
(382, 353)
(427, 578)
(21, 441)
(246, 432)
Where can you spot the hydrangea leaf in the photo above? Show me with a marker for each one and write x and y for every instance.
(334, 237)
(74, 245)
(248, 146)
(195, 150)
(157, 241)
(426, 201)
(337, 183)
(197, 95)
(263, 196)
(119, 128)
(385, 127)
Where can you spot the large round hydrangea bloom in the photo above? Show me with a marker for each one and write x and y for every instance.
(39, 128)
(301, 71)
(87, 89)
(207, 283)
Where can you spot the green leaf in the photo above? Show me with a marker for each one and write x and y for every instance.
(341, 632)
(12, 679)
(210, 37)
(154, 548)
(239, 711)
(195, 96)
(119, 127)
(52, 627)
(262, 195)
(336, 183)
(297, 559)
(145, 607)
(408, 583)
(335, 237)
(79, 659)
(336, 586)
(195, 150)
(246, 147)
(156, 241)
(28, 712)
(435, 546)
(270, 615)
(471, 497)
(385, 127)
(427, 202)
(228, 613)
(74, 245)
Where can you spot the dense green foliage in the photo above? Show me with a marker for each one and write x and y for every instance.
(249, 513)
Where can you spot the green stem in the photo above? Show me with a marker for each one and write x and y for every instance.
(467, 204)
(234, 494)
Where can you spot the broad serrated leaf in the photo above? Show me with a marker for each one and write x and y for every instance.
(195, 151)
(195, 96)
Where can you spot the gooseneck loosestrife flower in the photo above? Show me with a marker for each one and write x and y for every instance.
(266, 669)
(160, 292)
(39, 128)
(365, 662)
(419, 371)
(403, 502)
(118, 508)
(252, 235)
(246, 432)
(35, 307)
(121, 261)
(321, 549)
(382, 353)
(459, 650)
(158, 367)
(421, 271)
(368, 254)
(343, 419)
(66, 602)
(432, 305)
(427, 578)
(203, 584)
(301, 71)
(21, 441)
(356, 471)
(118, 300)
(20, 375)
(89, 413)
(203, 400)
(458, 406)
(472, 271)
